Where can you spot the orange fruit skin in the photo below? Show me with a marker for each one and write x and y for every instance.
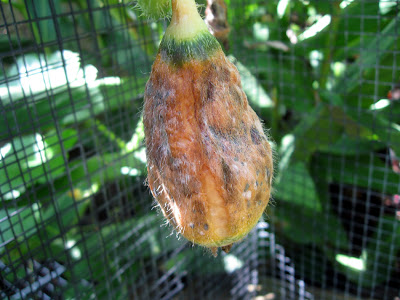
(210, 165)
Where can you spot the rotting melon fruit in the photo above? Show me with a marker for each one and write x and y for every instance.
(210, 164)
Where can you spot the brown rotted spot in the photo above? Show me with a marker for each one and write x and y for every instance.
(225, 74)
(262, 151)
(228, 177)
(210, 95)
(198, 208)
(205, 226)
(169, 159)
(255, 135)
(190, 188)
(258, 198)
(186, 190)
(227, 172)
(227, 134)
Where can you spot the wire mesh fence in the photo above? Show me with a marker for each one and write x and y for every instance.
(76, 218)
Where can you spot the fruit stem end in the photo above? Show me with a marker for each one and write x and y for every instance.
(186, 22)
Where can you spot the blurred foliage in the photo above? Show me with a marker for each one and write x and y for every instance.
(71, 136)
(327, 67)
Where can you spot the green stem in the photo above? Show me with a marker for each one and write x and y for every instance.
(275, 113)
(109, 134)
(330, 44)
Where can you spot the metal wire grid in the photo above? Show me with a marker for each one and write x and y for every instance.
(19, 272)
(111, 257)
(360, 209)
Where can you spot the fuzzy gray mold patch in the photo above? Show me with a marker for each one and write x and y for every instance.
(227, 173)
(255, 135)
(210, 97)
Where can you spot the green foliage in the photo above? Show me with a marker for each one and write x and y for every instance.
(63, 142)
(325, 66)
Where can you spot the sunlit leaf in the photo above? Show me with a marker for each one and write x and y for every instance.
(253, 89)
(33, 158)
(378, 257)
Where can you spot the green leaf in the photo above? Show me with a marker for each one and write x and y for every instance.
(365, 170)
(80, 104)
(378, 128)
(33, 158)
(301, 190)
(17, 223)
(64, 209)
(370, 56)
(348, 145)
(76, 94)
(63, 142)
(390, 110)
(297, 93)
(107, 167)
(253, 89)
(18, 156)
(351, 22)
(364, 125)
(305, 225)
(133, 241)
(9, 42)
(379, 258)
(193, 260)
(317, 131)
(381, 251)
(322, 7)
(44, 21)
